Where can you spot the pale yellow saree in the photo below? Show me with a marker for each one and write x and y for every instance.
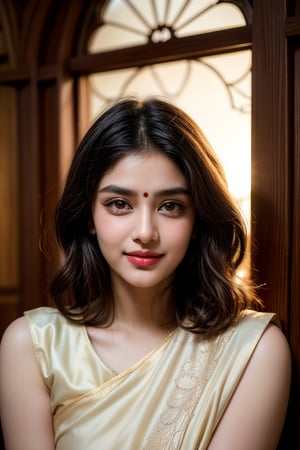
(171, 399)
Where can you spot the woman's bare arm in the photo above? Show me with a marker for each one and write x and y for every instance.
(255, 415)
(24, 399)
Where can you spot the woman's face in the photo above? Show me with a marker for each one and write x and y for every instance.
(143, 216)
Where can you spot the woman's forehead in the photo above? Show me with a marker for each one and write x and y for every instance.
(144, 169)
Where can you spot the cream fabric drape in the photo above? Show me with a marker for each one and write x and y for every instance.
(171, 399)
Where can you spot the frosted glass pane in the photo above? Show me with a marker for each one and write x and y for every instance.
(217, 18)
(112, 38)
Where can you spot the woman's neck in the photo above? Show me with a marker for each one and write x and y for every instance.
(143, 307)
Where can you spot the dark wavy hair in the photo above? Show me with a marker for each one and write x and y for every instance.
(208, 294)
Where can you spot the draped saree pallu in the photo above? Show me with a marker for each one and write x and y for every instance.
(171, 399)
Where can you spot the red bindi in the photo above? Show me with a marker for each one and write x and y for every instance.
(145, 194)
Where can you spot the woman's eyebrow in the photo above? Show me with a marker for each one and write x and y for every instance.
(173, 191)
(113, 188)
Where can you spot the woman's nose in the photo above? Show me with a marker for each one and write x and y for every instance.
(145, 229)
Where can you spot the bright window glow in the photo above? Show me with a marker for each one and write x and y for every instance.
(215, 90)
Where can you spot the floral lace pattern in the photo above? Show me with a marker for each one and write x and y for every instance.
(189, 385)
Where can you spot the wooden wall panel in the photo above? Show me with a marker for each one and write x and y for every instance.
(272, 182)
(9, 224)
(56, 134)
(295, 257)
(31, 259)
(9, 203)
(270, 155)
(9, 310)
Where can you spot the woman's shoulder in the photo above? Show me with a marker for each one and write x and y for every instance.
(272, 352)
(48, 323)
(43, 313)
(253, 322)
(16, 340)
(258, 316)
(17, 331)
(256, 333)
(256, 411)
(20, 331)
(274, 346)
(46, 317)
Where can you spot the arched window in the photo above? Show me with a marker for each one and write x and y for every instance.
(212, 84)
(181, 50)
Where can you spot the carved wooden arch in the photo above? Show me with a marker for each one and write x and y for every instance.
(66, 24)
(21, 37)
(93, 19)
(53, 36)
(175, 48)
(9, 26)
(45, 33)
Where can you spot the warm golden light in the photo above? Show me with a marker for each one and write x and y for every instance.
(215, 90)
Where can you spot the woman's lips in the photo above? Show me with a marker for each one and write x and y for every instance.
(143, 259)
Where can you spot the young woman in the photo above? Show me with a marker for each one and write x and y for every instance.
(153, 343)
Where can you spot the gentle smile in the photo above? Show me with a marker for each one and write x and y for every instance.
(143, 259)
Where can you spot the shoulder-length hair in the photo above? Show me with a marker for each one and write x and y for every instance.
(208, 294)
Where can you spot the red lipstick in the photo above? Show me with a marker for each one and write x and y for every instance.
(143, 259)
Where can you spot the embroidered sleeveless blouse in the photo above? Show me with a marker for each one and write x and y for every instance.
(171, 399)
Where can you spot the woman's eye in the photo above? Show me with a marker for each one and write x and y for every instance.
(118, 206)
(172, 207)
